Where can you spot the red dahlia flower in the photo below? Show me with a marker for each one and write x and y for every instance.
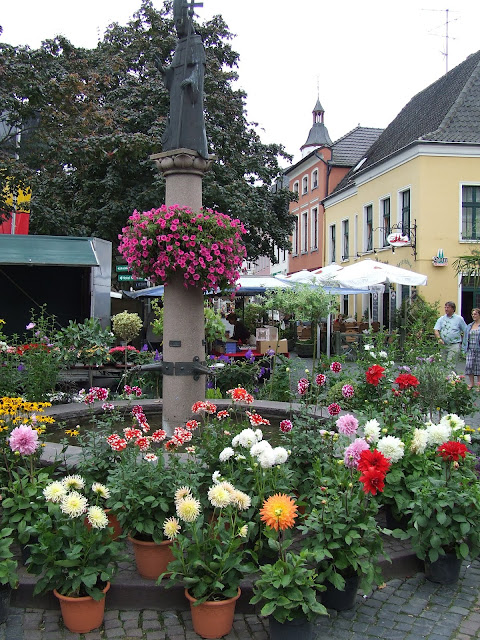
(406, 381)
(373, 460)
(452, 451)
(374, 374)
(373, 481)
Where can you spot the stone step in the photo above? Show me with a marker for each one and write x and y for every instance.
(130, 591)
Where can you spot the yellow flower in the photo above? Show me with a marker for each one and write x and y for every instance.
(101, 490)
(72, 432)
(241, 500)
(182, 493)
(219, 496)
(73, 504)
(54, 492)
(171, 528)
(97, 517)
(188, 509)
(279, 512)
(73, 482)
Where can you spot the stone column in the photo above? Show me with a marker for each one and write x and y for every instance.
(183, 316)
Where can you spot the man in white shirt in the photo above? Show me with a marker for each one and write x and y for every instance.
(449, 331)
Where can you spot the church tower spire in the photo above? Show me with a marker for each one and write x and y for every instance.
(318, 136)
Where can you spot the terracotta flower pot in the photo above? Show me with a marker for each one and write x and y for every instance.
(81, 615)
(151, 558)
(212, 619)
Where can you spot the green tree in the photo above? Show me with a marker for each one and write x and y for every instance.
(89, 119)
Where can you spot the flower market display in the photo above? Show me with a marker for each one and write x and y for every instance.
(301, 506)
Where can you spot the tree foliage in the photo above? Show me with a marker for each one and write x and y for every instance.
(90, 118)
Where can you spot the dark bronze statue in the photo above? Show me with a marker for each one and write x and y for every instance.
(184, 81)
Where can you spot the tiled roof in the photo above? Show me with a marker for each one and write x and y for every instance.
(351, 147)
(318, 136)
(446, 111)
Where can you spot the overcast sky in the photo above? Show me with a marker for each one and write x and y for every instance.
(366, 58)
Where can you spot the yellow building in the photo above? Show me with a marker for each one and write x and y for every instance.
(419, 180)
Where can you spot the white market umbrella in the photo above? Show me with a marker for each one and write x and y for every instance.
(369, 272)
(317, 276)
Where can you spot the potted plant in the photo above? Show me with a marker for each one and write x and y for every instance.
(209, 554)
(305, 303)
(22, 479)
(205, 247)
(8, 571)
(74, 560)
(341, 527)
(444, 513)
(143, 486)
(84, 343)
(289, 587)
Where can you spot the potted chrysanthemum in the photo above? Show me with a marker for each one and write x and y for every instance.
(76, 555)
(210, 554)
(288, 588)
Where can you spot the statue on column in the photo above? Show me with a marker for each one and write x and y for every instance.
(184, 81)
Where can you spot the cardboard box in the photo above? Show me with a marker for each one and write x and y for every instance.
(267, 333)
(279, 346)
(304, 333)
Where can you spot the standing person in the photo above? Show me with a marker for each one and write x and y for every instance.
(471, 345)
(449, 331)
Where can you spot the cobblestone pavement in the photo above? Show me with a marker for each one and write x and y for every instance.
(403, 609)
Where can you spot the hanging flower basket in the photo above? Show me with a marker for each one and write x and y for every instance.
(205, 246)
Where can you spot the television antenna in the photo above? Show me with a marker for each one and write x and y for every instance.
(446, 36)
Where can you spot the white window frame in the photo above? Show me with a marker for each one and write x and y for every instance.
(295, 237)
(400, 209)
(332, 242)
(384, 232)
(304, 185)
(314, 179)
(304, 232)
(296, 186)
(345, 226)
(366, 249)
(470, 183)
(314, 229)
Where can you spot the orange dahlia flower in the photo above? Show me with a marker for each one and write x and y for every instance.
(279, 512)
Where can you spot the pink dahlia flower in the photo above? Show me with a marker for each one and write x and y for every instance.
(348, 391)
(320, 379)
(24, 439)
(354, 451)
(347, 425)
(286, 426)
(302, 386)
(334, 409)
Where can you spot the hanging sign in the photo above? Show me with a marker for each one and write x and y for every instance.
(439, 260)
(397, 239)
